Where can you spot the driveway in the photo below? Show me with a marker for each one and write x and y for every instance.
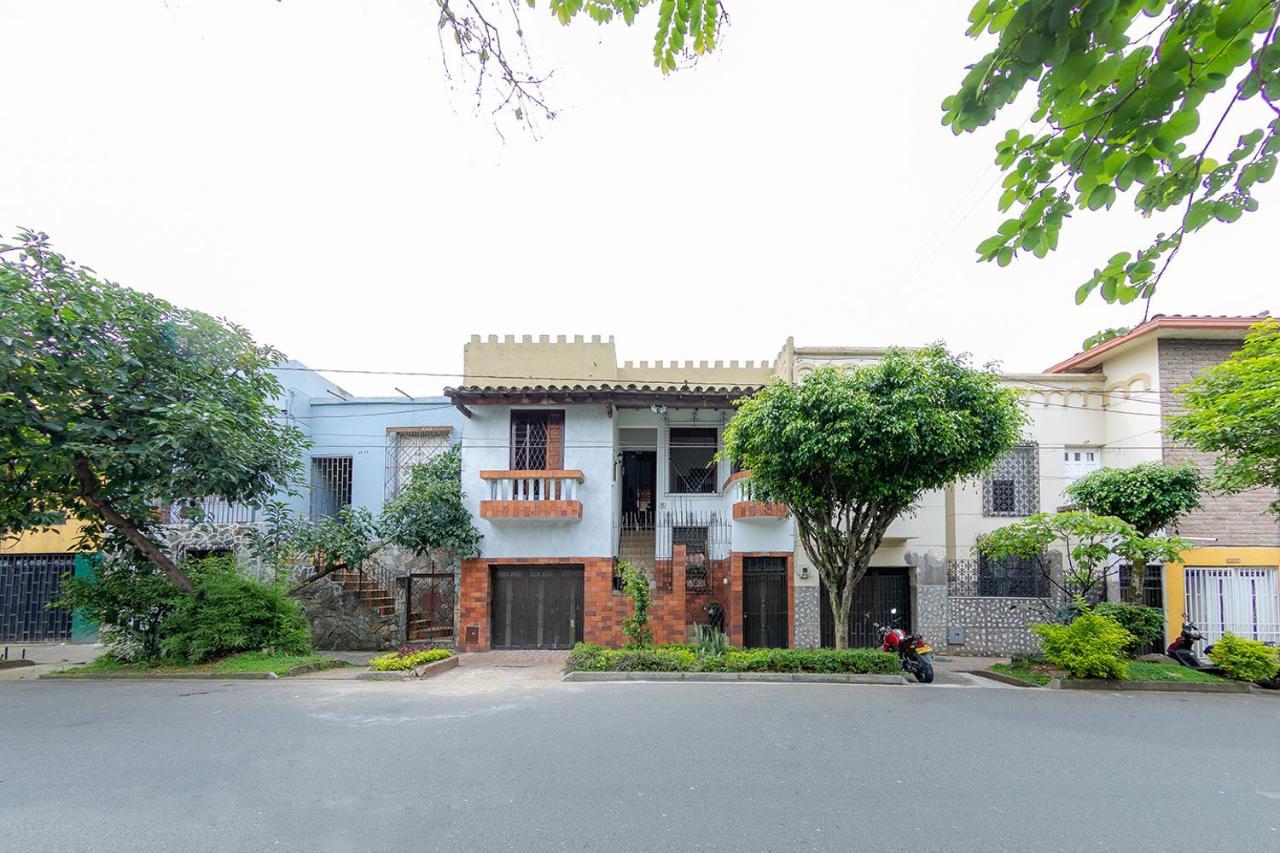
(470, 761)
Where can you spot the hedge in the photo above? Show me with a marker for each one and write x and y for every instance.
(588, 657)
(407, 659)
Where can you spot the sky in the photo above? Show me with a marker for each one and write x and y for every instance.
(306, 169)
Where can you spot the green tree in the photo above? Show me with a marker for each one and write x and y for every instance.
(848, 451)
(1150, 496)
(113, 402)
(1090, 544)
(1232, 411)
(427, 515)
(1121, 87)
(635, 586)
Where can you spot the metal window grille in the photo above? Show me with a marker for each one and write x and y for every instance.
(537, 440)
(1012, 577)
(330, 485)
(697, 569)
(207, 511)
(691, 452)
(1012, 487)
(28, 582)
(1242, 601)
(408, 448)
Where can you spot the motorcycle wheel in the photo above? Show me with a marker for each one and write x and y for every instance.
(924, 672)
(1272, 683)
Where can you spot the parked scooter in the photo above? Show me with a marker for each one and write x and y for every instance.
(915, 654)
(1181, 650)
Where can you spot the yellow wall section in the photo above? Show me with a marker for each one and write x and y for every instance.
(1175, 577)
(58, 540)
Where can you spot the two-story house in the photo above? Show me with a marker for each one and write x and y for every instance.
(574, 463)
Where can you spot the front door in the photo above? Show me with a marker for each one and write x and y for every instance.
(764, 602)
(879, 591)
(536, 607)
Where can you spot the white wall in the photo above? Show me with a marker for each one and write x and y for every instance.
(588, 447)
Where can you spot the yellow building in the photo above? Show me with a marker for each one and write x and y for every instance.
(31, 569)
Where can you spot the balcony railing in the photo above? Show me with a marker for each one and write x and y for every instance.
(532, 494)
(207, 511)
(747, 505)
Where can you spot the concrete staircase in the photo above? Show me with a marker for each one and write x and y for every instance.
(369, 589)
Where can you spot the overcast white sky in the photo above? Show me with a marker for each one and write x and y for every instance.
(304, 169)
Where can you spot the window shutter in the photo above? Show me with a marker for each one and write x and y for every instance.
(555, 441)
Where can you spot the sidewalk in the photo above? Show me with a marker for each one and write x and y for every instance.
(48, 657)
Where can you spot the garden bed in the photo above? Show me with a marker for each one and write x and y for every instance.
(587, 658)
(1037, 674)
(246, 665)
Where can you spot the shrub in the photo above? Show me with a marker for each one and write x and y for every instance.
(1092, 646)
(1245, 660)
(407, 658)
(708, 642)
(231, 612)
(635, 586)
(1146, 624)
(675, 658)
(130, 602)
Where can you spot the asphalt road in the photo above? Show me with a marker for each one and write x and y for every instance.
(512, 764)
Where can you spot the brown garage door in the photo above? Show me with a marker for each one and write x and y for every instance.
(536, 607)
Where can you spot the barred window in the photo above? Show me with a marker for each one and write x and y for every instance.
(1011, 577)
(330, 485)
(408, 447)
(537, 441)
(1012, 487)
(694, 540)
(691, 452)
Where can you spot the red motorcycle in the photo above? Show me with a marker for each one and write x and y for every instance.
(915, 654)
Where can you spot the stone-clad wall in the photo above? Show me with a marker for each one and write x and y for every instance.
(995, 626)
(1240, 519)
(808, 617)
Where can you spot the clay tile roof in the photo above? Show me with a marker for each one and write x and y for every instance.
(1157, 323)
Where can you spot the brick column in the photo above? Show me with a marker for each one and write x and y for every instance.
(733, 616)
(473, 606)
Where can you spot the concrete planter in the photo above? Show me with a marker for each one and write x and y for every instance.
(759, 677)
(427, 670)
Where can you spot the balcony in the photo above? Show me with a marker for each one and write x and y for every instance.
(745, 505)
(533, 495)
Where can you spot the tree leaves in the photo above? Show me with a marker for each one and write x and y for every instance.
(1118, 100)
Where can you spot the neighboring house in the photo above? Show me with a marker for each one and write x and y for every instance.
(362, 451)
(573, 463)
(1229, 581)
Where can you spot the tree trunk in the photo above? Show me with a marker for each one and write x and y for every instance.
(88, 482)
(839, 617)
(306, 582)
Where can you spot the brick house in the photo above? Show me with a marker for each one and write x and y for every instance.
(573, 463)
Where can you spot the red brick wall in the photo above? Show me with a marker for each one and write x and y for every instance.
(718, 591)
(531, 509)
(759, 509)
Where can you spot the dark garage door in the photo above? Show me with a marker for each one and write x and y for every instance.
(537, 608)
(879, 591)
(28, 582)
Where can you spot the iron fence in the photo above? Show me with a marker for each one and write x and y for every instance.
(985, 577)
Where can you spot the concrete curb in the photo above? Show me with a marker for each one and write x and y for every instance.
(1012, 680)
(720, 677)
(427, 670)
(1149, 686)
(304, 668)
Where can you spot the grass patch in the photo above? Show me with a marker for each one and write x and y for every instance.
(1032, 673)
(244, 662)
(1140, 671)
(1035, 672)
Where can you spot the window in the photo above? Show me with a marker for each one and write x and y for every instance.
(1079, 461)
(330, 485)
(1011, 577)
(537, 441)
(408, 447)
(694, 540)
(692, 455)
(1013, 485)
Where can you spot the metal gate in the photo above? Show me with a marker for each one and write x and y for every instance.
(1242, 601)
(536, 607)
(879, 591)
(764, 602)
(431, 600)
(28, 582)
